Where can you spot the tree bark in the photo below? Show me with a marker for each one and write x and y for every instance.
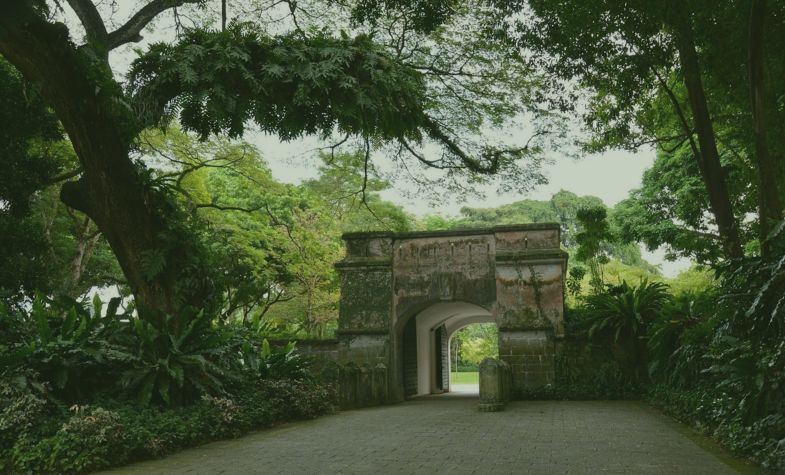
(78, 85)
(769, 204)
(708, 158)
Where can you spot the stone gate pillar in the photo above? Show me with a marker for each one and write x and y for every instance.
(364, 323)
(530, 270)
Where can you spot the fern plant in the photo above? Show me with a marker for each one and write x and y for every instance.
(176, 364)
(622, 316)
(67, 344)
(625, 312)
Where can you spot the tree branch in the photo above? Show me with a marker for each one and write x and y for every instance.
(64, 176)
(90, 18)
(130, 32)
(680, 114)
(228, 208)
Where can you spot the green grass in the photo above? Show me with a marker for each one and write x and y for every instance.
(465, 378)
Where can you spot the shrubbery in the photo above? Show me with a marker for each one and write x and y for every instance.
(40, 438)
(715, 359)
(83, 388)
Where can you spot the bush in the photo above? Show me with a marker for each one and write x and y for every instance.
(68, 345)
(80, 391)
(722, 367)
(763, 440)
(95, 437)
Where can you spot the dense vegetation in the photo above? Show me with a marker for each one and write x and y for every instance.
(131, 179)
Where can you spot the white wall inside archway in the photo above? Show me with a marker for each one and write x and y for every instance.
(454, 315)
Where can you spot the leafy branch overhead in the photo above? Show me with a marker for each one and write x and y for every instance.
(290, 85)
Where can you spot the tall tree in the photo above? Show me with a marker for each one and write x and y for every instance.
(301, 81)
(44, 246)
(632, 55)
(770, 201)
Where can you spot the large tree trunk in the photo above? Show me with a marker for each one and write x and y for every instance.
(769, 204)
(709, 158)
(79, 87)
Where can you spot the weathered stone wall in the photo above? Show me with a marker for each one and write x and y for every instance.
(442, 269)
(366, 301)
(530, 280)
(409, 349)
(358, 385)
(531, 356)
(586, 369)
(514, 274)
(444, 351)
(321, 352)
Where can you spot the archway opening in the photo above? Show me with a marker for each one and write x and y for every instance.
(469, 345)
(425, 345)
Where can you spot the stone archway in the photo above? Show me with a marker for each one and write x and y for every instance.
(424, 346)
(513, 274)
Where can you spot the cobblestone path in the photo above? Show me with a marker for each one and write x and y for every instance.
(448, 435)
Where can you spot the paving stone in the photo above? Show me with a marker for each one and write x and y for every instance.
(448, 435)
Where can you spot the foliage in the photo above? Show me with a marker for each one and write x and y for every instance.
(676, 219)
(679, 338)
(474, 343)
(352, 78)
(103, 435)
(176, 364)
(350, 184)
(277, 363)
(719, 358)
(79, 355)
(624, 313)
(761, 440)
(43, 246)
(68, 345)
(29, 133)
(595, 231)
(672, 76)
(620, 318)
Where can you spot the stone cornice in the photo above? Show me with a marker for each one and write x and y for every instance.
(454, 232)
(363, 263)
(362, 331)
(533, 255)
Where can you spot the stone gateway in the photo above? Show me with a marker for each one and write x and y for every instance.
(403, 295)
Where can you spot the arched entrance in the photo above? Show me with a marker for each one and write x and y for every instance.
(401, 293)
(425, 344)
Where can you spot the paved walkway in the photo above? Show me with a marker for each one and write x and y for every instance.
(448, 435)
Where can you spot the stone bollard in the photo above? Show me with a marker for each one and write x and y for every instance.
(494, 388)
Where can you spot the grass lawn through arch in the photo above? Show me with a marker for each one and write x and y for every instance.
(468, 377)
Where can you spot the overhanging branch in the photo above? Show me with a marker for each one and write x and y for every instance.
(130, 32)
(90, 18)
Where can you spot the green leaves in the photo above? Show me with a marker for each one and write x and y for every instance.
(288, 85)
(70, 347)
(624, 313)
(282, 362)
